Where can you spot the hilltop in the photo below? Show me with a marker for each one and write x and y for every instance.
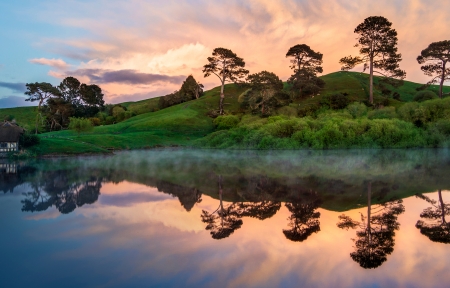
(181, 124)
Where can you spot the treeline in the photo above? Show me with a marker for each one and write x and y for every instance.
(378, 53)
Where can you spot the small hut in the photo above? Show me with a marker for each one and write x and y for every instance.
(9, 136)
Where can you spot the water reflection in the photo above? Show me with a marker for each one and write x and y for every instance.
(375, 237)
(267, 211)
(225, 222)
(57, 188)
(434, 225)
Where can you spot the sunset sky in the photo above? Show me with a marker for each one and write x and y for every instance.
(140, 49)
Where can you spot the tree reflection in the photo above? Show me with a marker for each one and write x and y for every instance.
(304, 219)
(56, 189)
(375, 239)
(259, 210)
(434, 225)
(225, 222)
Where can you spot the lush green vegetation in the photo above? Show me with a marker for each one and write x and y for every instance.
(416, 124)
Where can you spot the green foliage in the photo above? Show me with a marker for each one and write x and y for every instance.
(357, 110)
(287, 111)
(80, 125)
(424, 96)
(265, 93)
(423, 113)
(383, 113)
(323, 134)
(226, 122)
(27, 140)
(335, 101)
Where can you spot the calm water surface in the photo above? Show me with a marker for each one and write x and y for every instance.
(171, 218)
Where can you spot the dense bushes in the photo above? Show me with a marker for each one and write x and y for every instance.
(424, 96)
(297, 133)
(226, 122)
(383, 113)
(335, 101)
(28, 140)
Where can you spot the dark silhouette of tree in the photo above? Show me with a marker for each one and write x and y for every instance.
(304, 220)
(188, 196)
(434, 225)
(265, 92)
(306, 63)
(375, 239)
(225, 222)
(40, 92)
(378, 49)
(436, 56)
(225, 64)
(259, 210)
(37, 200)
(56, 189)
(191, 89)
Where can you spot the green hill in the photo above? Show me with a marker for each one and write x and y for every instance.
(182, 123)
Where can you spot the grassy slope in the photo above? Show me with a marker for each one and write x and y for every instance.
(179, 124)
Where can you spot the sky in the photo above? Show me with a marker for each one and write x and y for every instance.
(140, 49)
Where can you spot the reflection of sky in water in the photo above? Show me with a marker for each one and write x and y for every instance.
(136, 236)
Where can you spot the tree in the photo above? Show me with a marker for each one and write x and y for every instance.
(227, 67)
(259, 210)
(40, 92)
(375, 239)
(434, 225)
(436, 55)
(86, 100)
(191, 89)
(225, 222)
(80, 125)
(264, 88)
(304, 220)
(378, 48)
(306, 63)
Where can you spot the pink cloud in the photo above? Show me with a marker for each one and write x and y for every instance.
(57, 63)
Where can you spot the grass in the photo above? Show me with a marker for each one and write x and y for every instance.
(25, 116)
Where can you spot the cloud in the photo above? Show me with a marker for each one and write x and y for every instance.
(16, 87)
(57, 63)
(14, 101)
(127, 76)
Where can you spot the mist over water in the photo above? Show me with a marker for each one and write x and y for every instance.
(239, 218)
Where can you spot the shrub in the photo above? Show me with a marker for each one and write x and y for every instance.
(335, 101)
(95, 121)
(443, 127)
(80, 125)
(226, 122)
(28, 140)
(383, 113)
(109, 120)
(424, 96)
(357, 110)
(287, 111)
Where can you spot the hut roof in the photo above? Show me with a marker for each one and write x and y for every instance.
(10, 132)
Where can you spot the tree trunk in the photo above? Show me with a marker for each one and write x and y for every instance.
(442, 206)
(222, 96)
(442, 79)
(220, 197)
(371, 80)
(369, 196)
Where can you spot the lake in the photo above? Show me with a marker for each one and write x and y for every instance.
(192, 218)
